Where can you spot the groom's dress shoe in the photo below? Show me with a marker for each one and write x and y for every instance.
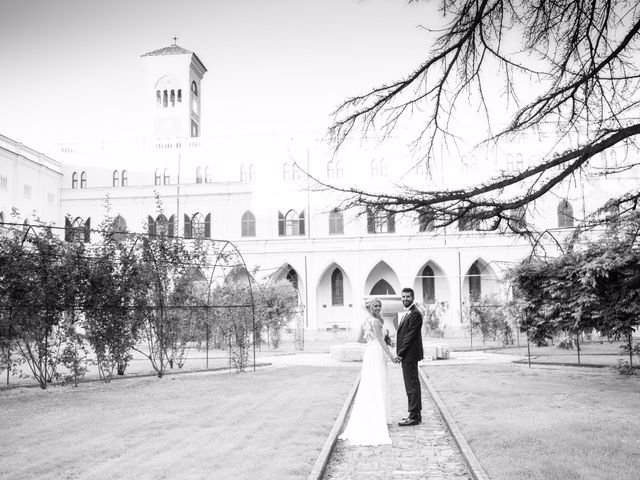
(407, 422)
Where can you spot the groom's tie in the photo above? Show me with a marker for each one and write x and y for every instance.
(404, 317)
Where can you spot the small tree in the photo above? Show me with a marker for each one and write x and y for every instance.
(277, 303)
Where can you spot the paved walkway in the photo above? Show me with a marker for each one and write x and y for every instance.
(423, 452)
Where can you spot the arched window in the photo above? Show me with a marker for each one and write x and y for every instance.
(292, 277)
(292, 223)
(331, 171)
(517, 218)
(179, 95)
(286, 171)
(243, 173)
(197, 226)
(83, 180)
(475, 282)
(379, 221)
(252, 173)
(165, 99)
(382, 288)
(74, 180)
(125, 178)
(565, 214)
(339, 171)
(166, 179)
(161, 226)
(337, 288)
(156, 178)
(77, 230)
(116, 178)
(199, 175)
(248, 224)
(119, 226)
(336, 223)
(194, 97)
(207, 175)
(383, 167)
(1, 218)
(374, 168)
(425, 222)
(428, 285)
(173, 98)
(158, 98)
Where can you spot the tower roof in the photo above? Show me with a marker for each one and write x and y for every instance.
(174, 50)
(170, 50)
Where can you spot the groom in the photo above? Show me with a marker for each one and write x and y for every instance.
(409, 353)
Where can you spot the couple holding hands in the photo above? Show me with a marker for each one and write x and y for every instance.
(371, 411)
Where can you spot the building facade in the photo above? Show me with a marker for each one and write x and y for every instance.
(252, 190)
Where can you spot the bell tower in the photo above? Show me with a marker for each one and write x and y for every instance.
(173, 86)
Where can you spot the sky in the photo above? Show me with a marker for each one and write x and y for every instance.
(71, 69)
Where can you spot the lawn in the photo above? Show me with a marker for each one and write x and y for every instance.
(267, 424)
(545, 423)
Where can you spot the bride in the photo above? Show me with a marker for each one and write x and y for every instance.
(371, 411)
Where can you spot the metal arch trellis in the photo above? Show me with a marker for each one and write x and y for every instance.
(25, 230)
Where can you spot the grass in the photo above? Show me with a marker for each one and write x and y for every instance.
(260, 425)
(545, 423)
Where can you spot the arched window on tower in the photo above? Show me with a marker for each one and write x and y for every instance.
(428, 285)
(292, 223)
(286, 171)
(161, 226)
(125, 178)
(158, 98)
(337, 288)
(243, 173)
(173, 98)
(207, 175)
(83, 180)
(252, 173)
(565, 214)
(198, 226)
(379, 221)
(74, 180)
(165, 99)
(194, 97)
(156, 177)
(179, 95)
(116, 178)
(166, 179)
(199, 175)
(248, 224)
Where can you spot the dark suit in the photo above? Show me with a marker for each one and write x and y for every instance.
(409, 348)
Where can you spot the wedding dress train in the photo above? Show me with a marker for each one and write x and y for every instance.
(371, 411)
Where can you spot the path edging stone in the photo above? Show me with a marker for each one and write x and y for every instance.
(468, 455)
(317, 472)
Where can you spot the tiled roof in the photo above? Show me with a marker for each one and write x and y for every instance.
(170, 50)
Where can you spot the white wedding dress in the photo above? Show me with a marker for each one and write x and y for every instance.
(371, 411)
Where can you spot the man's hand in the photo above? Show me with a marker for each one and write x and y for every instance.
(398, 360)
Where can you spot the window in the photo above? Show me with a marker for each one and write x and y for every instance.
(517, 218)
(248, 225)
(199, 175)
(252, 173)
(243, 173)
(161, 226)
(378, 167)
(247, 174)
(475, 283)
(374, 168)
(194, 99)
(291, 224)
(379, 221)
(4, 182)
(165, 99)
(125, 178)
(173, 98)
(207, 175)
(119, 227)
(337, 289)
(166, 179)
(74, 180)
(83, 180)
(292, 277)
(195, 131)
(197, 226)
(425, 222)
(334, 169)
(158, 98)
(179, 95)
(428, 285)
(156, 177)
(336, 223)
(565, 214)
(286, 171)
(77, 230)
(27, 191)
(116, 178)
(466, 221)
(382, 288)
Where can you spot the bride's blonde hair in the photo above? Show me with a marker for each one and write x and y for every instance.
(369, 303)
